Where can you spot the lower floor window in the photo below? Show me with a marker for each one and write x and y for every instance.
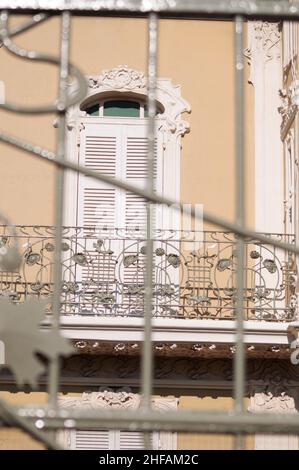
(111, 440)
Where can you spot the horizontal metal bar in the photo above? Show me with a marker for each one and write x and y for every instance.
(49, 156)
(184, 421)
(10, 417)
(166, 8)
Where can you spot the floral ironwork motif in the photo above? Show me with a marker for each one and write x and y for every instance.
(103, 274)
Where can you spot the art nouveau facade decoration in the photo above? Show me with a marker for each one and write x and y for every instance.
(289, 127)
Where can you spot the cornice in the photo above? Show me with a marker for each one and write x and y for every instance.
(190, 350)
(176, 374)
(173, 331)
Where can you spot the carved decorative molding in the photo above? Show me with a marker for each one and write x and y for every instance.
(123, 79)
(289, 40)
(180, 370)
(288, 109)
(208, 350)
(104, 398)
(122, 398)
(278, 400)
(264, 41)
(271, 402)
(120, 78)
(206, 376)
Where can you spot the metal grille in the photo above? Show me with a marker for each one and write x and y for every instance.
(238, 422)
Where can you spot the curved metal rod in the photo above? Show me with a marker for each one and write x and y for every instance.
(78, 96)
(49, 156)
(34, 20)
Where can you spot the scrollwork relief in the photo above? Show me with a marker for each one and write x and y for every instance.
(265, 39)
(277, 375)
(120, 78)
(272, 401)
(123, 79)
(122, 398)
(287, 110)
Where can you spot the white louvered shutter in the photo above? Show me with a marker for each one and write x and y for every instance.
(99, 150)
(135, 142)
(130, 440)
(92, 440)
(110, 440)
(118, 150)
(136, 171)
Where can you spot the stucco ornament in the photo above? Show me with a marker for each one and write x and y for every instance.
(122, 78)
(122, 398)
(268, 401)
(105, 397)
(264, 41)
(289, 108)
(125, 80)
(23, 339)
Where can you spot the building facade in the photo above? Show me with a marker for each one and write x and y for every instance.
(103, 251)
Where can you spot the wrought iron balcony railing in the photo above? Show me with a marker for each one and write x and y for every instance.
(103, 273)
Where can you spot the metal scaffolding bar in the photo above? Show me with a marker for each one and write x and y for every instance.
(239, 358)
(227, 9)
(184, 421)
(54, 367)
(147, 353)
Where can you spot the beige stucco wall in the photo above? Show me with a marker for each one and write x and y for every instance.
(196, 54)
(13, 438)
(209, 441)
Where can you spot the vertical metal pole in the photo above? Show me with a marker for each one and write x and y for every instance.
(53, 384)
(147, 357)
(239, 359)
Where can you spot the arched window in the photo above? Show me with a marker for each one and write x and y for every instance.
(109, 135)
(119, 108)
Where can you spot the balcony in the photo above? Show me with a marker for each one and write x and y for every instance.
(194, 274)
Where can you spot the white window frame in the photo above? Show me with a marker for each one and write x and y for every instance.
(125, 83)
(118, 399)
